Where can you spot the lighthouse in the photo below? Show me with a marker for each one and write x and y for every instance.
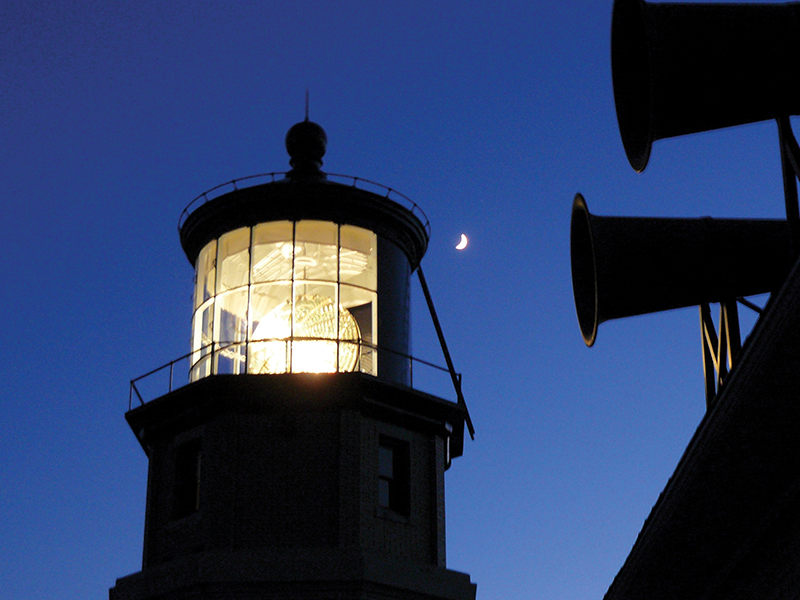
(298, 460)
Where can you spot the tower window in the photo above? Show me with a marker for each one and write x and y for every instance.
(394, 489)
(187, 479)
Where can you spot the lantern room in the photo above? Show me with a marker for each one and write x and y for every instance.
(302, 272)
(286, 297)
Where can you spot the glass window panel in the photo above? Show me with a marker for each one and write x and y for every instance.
(205, 273)
(367, 359)
(315, 250)
(351, 296)
(233, 259)
(272, 251)
(385, 461)
(270, 357)
(314, 310)
(394, 482)
(231, 359)
(230, 326)
(186, 490)
(203, 323)
(313, 357)
(383, 493)
(271, 321)
(318, 232)
(358, 257)
(349, 356)
(362, 304)
(200, 369)
(230, 318)
(265, 300)
(202, 326)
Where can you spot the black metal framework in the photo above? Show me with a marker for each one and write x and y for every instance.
(720, 349)
(455, 377)
(790, 166)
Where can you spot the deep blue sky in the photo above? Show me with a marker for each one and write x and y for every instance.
(490, 115)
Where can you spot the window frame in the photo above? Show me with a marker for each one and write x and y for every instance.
(394, 482)
(188, 472)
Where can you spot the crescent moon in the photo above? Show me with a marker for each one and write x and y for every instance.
(463, 243)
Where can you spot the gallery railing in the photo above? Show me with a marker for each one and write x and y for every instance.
(423, 375)
(356, 182)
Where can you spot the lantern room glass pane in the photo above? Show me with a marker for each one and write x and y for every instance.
(202, 328)
(363, 305)
(270, 327)
(357, 257)
(205, 274)
(233, 259)
(203, 325)
(315, 250)
(264, 299)
(317, 316)
(272, 251)
(231, 316)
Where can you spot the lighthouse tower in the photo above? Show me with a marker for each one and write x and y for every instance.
(298, 461)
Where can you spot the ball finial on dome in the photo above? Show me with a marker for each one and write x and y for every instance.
(305, 143)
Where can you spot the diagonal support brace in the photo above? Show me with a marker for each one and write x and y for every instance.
(456, 379)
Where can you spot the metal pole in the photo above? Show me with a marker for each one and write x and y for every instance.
(790, 159)
(456, 380)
